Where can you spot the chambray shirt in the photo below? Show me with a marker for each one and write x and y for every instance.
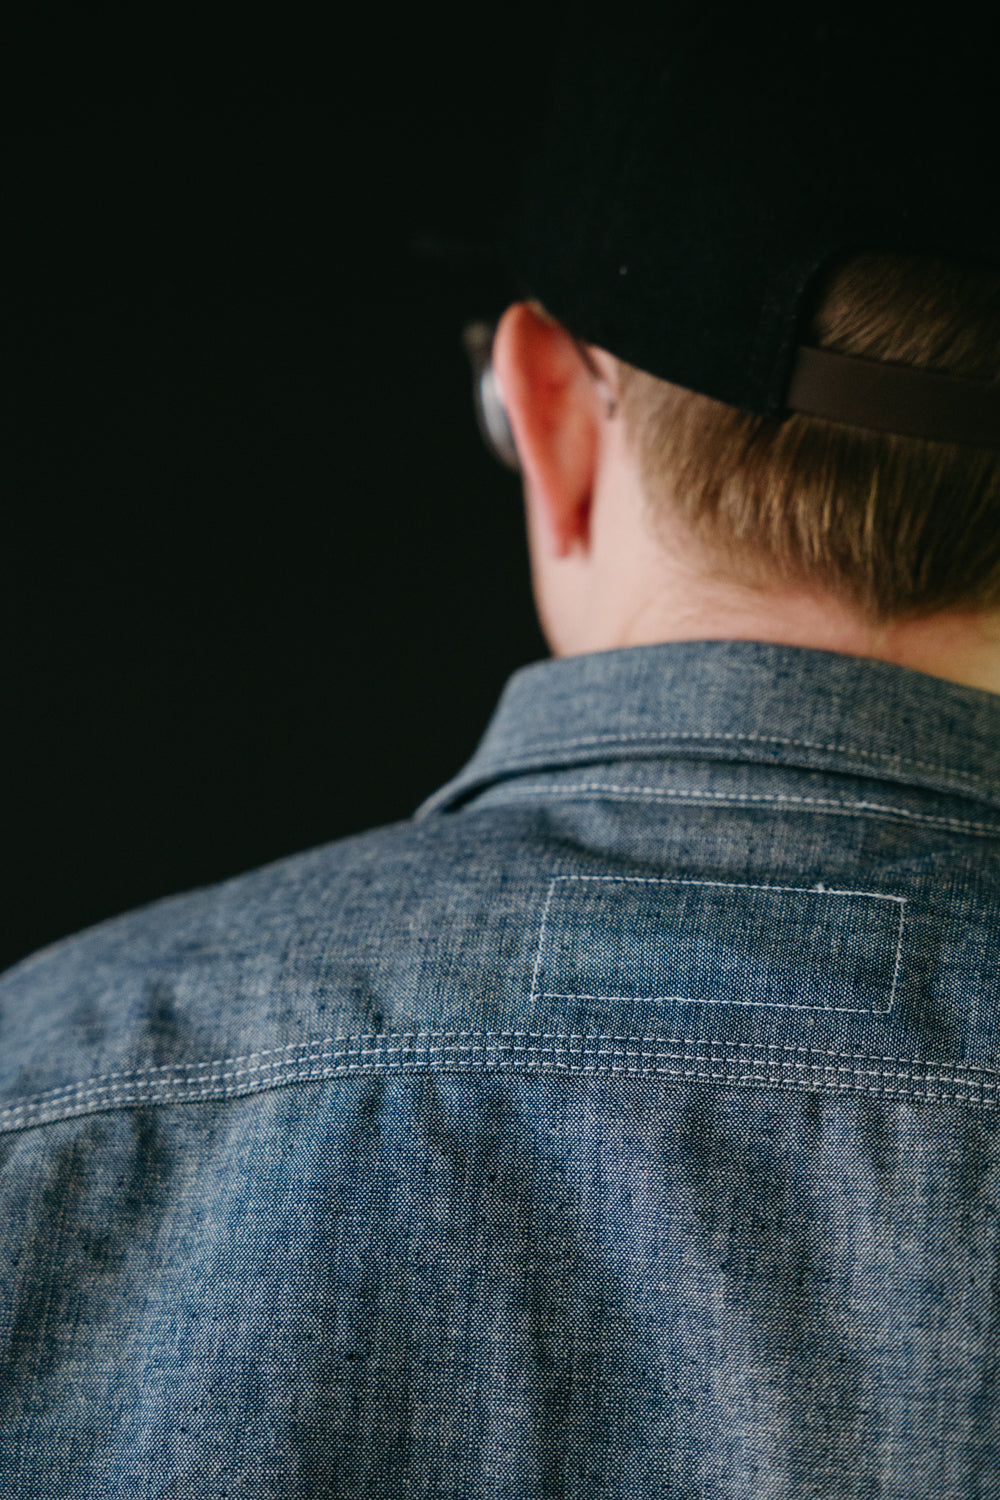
(626, 1124)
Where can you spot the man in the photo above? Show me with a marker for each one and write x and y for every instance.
(627, 1123)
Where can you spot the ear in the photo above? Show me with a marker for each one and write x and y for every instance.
(554, 414)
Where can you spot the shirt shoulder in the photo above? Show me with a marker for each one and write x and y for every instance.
(387, 930)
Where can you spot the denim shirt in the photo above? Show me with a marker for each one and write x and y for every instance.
(626, 1124)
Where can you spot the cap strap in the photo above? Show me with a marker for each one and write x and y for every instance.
(894, 398)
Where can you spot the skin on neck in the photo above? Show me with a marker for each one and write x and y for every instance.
(604, 578)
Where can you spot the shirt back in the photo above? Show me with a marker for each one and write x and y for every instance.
(625, 1124)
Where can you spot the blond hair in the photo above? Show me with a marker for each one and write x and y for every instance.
(897, 527)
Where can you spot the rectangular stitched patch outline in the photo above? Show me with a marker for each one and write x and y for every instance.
(705, 942)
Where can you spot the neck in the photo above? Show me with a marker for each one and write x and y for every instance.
(960, 647)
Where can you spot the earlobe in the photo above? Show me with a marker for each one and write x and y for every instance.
(550, 399)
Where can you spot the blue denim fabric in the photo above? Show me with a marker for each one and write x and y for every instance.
(624, 1125)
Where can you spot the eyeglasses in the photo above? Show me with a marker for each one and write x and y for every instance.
(491, 414)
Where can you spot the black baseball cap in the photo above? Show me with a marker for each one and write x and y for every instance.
(705, 164)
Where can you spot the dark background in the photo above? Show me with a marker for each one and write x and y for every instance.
(262, 583)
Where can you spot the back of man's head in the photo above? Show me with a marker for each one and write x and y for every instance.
(717, 199)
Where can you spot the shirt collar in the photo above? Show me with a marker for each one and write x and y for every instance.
(739, 701)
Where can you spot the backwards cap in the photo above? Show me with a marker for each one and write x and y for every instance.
(704, 163)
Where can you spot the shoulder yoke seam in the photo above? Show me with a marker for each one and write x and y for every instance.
(766, 1064)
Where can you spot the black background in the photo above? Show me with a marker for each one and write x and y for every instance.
(262, 583)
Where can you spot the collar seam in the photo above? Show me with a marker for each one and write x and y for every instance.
(553, 747)
(716, 799)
